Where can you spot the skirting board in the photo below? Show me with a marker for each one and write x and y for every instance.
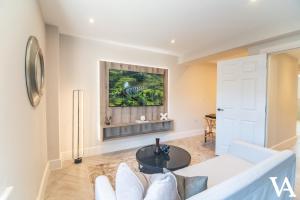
(55, 164)
(51, 165)
(132, 142)
(285, 144)
(44, 181)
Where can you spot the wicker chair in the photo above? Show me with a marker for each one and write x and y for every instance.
(210, 131)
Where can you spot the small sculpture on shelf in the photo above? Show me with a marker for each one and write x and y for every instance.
(108, 120)
(143, 118)
(163, 116)
(165, 149)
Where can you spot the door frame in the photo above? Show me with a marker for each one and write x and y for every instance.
(268, 51)
(281, 47)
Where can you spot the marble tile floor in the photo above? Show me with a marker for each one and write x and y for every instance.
(75, 182)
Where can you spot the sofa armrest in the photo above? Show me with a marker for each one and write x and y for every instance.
(250, 152)
(103, 189)
(254, 183)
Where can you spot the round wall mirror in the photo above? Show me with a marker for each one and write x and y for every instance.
(34, 71)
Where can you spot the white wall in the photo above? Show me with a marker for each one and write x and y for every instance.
(79, 69)
(52, 87)
(298, 87)
(282, 99)
(23, 148)
(298, 96)
(195, 93)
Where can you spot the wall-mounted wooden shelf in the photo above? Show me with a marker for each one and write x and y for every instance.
(137, 128)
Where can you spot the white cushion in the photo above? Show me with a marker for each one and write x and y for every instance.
(103, 189)
(128, 185)
(163, 186)
(217, 169)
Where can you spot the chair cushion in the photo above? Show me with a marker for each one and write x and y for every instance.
(217, 169)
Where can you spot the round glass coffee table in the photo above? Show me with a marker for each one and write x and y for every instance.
(151, 163)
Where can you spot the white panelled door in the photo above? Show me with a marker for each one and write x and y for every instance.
(241, 101)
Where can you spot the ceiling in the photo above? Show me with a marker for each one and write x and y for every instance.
(199, 27)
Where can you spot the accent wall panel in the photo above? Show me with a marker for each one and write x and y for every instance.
(127, 115)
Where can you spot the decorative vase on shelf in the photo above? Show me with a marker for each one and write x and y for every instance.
(157, 149)
(107, 120)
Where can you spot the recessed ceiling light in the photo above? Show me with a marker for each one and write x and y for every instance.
(172, 41)
(91, 20)
(253, 0)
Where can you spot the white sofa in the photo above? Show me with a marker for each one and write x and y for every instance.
(242, 173)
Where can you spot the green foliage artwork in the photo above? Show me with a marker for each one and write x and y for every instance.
(129, 88)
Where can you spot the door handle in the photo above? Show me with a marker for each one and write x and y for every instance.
(220, 109)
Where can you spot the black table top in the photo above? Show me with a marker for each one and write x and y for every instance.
(176, 159)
